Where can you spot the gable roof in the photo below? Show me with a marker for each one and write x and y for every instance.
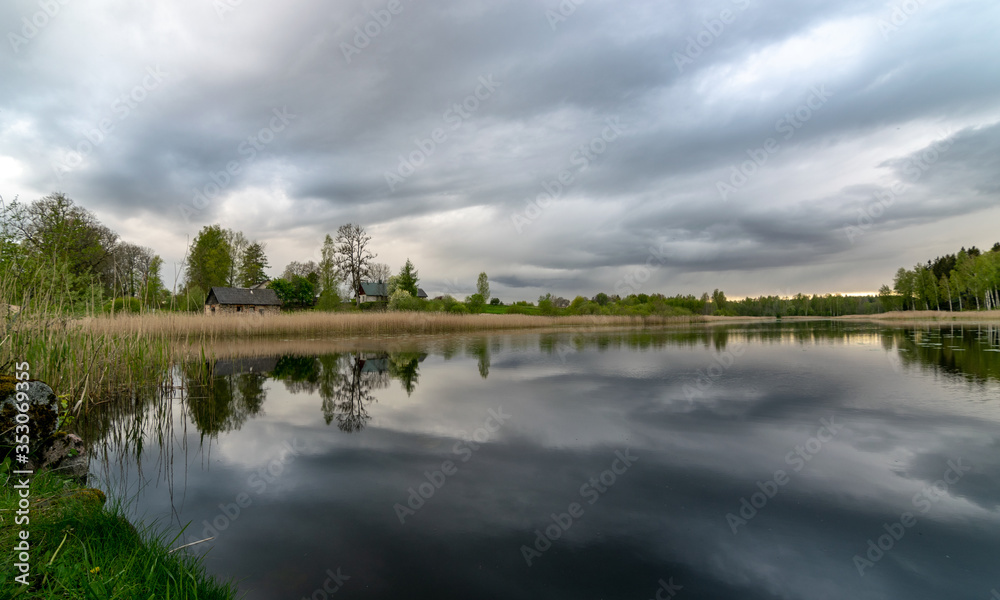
(370, 288)
(227, 295)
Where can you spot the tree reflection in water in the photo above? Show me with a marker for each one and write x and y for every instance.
(223, 395)
(345, 382)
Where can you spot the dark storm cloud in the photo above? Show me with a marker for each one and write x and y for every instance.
(394, 128)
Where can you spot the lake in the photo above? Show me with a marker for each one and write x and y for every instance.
(797, 460)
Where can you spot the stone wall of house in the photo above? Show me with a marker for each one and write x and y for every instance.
(244, 309)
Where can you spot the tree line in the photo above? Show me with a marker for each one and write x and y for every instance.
(58, 253)
(961, 281)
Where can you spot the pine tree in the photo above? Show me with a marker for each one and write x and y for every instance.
(252, 265)
(407, 279)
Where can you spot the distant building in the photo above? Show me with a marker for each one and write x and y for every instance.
(379, 292)
(252, 301)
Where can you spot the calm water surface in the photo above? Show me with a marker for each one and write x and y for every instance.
(806, 460)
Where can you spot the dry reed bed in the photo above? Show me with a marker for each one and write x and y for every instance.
(197, 327)
(923, 316)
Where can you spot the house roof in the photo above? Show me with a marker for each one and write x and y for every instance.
(226, 295)
(370, 288)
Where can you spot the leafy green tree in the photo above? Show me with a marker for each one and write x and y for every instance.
(238, 244)
(328, 280)
(210, 260)
(944, 290)
(300, 292)
(407, 278)
(925, 286)
(151, 290)
(191, 299)
(475, 303)
(887, 298)
(253, 265)
(546, 306)
(55, 249)
(483, 286)
(904, 284)
(719, 300)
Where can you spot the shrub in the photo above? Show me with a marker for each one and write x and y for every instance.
(329, 301)
(403, 300)
(474, 302)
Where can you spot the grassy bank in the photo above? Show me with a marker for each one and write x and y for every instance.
(80, 548)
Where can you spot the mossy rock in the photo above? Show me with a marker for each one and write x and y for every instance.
(43, 413)
(87, 498)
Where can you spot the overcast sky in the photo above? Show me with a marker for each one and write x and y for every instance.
(756, 146)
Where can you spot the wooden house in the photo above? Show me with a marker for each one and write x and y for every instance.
(225, 300)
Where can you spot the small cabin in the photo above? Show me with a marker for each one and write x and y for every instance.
(224, 300)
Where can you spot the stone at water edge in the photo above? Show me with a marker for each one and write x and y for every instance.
(67, 455)
(43, 411)
(54, 450)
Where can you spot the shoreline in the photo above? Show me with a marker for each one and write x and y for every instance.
(91, 545)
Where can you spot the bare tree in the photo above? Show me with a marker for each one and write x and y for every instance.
(238, 244)
(352, 257)
(301, 269)
(380, 272)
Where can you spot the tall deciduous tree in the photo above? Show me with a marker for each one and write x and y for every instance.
(238, 244)
(352, 256)
(136, 273)
(380, 273)
(328, 280)
(483, 287)
(719, 299)
(210, 260)
(904, 284)
(61, 247)
(307, 269)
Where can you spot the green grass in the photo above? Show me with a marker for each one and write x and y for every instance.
(504, 310)
(83, 549)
